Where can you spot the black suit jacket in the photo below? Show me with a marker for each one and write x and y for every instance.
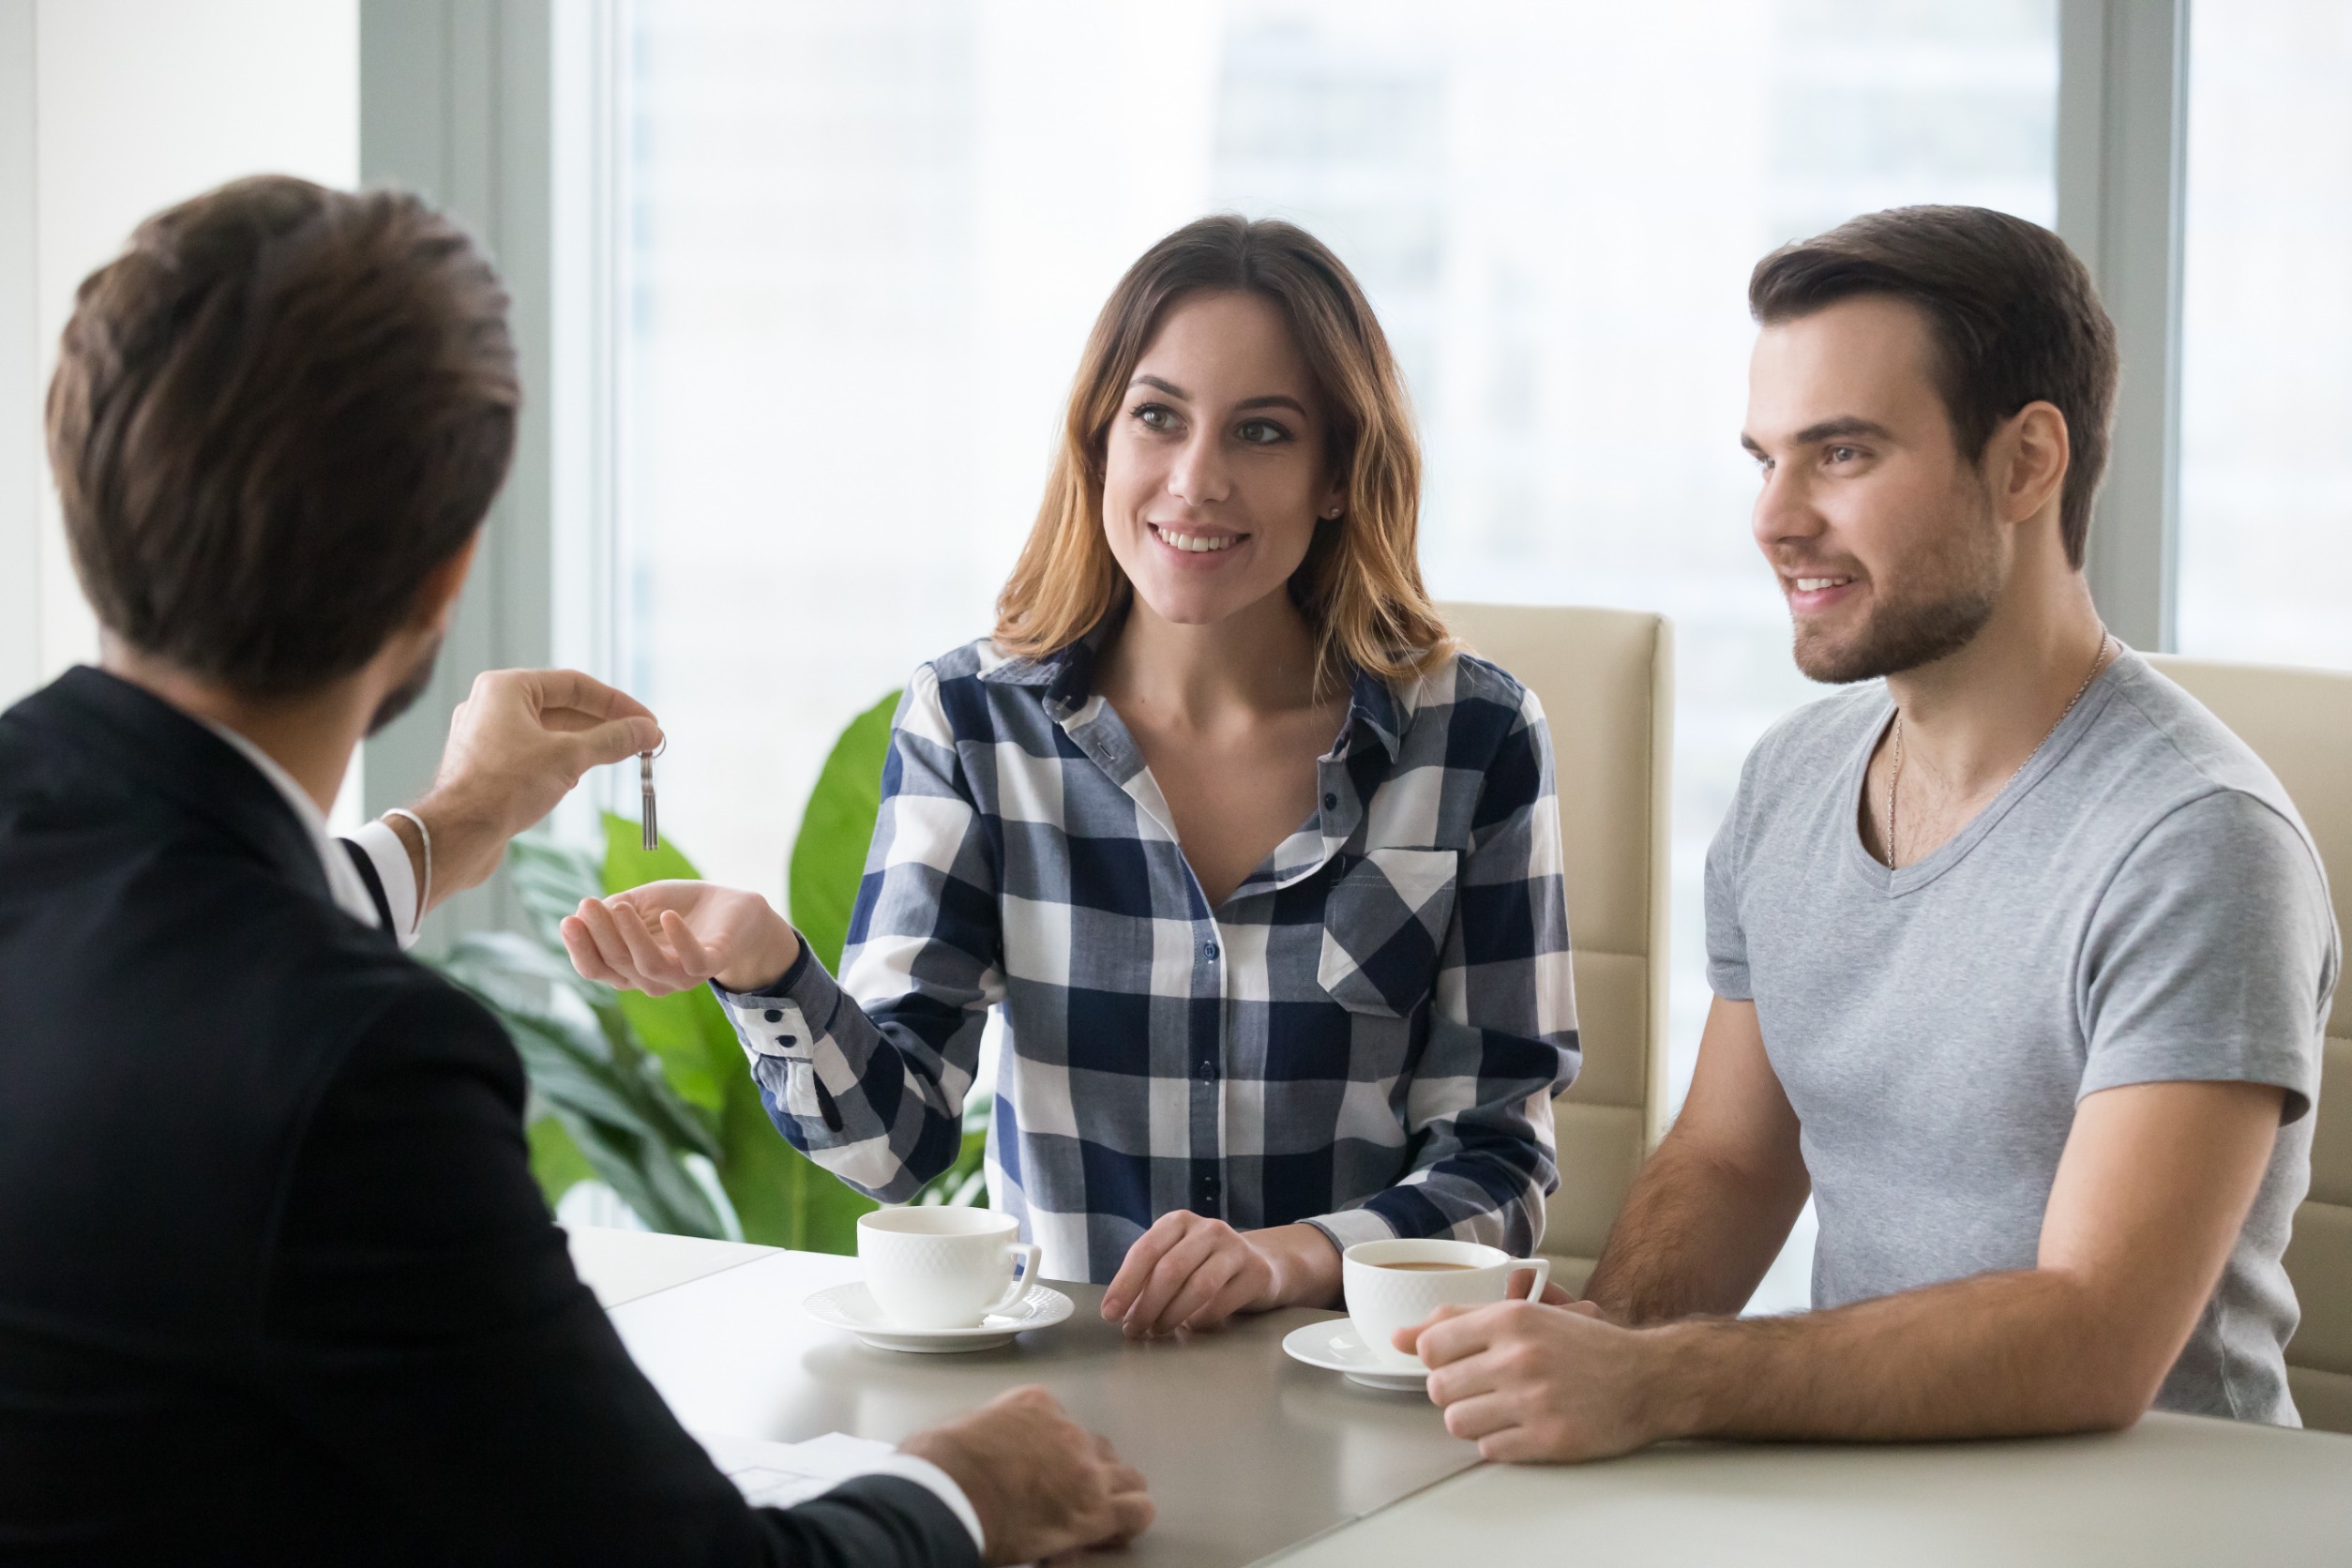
(276, 1284)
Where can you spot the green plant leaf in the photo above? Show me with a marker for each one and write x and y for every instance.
(556, 1162)
(628, 864)
(829, 853)
(673, 1030)
(503, 959)
(550, 881)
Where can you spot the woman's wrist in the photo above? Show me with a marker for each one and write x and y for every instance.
(1305, 1265)
(771, 952)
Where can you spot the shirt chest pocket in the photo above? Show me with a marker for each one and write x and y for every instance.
(1384, 924)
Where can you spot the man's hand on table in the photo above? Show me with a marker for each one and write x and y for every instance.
(1532, 1382)
(1042, 1484)
(518, 743)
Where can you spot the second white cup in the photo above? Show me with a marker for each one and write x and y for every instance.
(1396, 1285)
(937, 1267)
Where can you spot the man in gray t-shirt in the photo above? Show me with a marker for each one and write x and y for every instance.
(2020, 958)
(2140, 905)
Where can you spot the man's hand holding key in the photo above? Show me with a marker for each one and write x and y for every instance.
(519, 743)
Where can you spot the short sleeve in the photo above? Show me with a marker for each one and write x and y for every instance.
(2211, 955)
(1727, 939)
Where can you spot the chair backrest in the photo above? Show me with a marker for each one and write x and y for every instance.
(1606, 679)
(2300, 722)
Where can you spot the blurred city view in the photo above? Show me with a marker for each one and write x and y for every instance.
(2265, 403)
(864, 244)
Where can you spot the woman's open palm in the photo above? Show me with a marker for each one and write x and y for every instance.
(669, 936)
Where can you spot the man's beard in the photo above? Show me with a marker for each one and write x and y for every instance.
(1954, 585)
(403, 697)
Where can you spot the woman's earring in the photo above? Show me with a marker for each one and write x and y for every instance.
(1333, 513)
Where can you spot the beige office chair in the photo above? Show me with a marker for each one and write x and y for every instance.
(1605, 678)
(2300, 721)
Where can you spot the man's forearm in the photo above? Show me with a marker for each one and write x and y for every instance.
(467, 847)
(2003, 1354)
(517, 745)
(1694, 1236)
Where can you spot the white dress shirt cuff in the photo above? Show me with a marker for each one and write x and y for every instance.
(385, 851)
(939, 1484)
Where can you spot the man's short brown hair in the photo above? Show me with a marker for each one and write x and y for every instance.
(274, 415)
(2012, 312)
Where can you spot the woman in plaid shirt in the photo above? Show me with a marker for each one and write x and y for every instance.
(1263, 872)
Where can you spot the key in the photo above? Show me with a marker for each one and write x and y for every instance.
(652, 837)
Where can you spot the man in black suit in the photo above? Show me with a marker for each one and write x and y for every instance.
(276, 1285)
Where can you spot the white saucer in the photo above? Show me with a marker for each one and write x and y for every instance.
(1332, 1344)
(850, 1308)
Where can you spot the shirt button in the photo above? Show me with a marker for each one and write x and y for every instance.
(1331, 802)
(776, 1014)
(1208, 948)
(1208, 1069)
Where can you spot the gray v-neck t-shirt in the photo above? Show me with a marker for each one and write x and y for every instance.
(2140, 904)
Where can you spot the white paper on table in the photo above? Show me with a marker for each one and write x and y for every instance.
(779, 1475)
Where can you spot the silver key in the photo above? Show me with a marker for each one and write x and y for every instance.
(652, 837)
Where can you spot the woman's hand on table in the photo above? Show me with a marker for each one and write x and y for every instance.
(671, 936)
(1191, 1272)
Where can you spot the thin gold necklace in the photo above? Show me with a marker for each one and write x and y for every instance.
(1894, 775)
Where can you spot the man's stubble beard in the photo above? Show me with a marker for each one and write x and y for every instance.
(403, 697)
(1937, 604)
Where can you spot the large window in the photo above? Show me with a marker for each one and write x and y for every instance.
(865, 242)
(2266, 464)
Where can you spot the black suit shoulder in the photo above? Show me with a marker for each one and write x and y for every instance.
(275, 1283)
(173, 1013)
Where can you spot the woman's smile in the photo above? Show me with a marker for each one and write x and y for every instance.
(1191, 538)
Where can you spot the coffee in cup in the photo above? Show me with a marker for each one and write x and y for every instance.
(1396, 1285)
(934, 1266)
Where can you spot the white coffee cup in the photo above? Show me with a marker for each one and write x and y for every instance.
(940, 1267)
(1396, 1285)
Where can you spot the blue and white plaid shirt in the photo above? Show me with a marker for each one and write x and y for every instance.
(1365, 1036)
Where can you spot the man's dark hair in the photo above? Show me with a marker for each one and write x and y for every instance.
(274, 414)
(2010, 310)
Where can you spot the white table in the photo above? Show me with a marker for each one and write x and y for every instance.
(2175, 1489)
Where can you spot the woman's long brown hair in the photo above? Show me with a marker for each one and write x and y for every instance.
(1360, 585)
